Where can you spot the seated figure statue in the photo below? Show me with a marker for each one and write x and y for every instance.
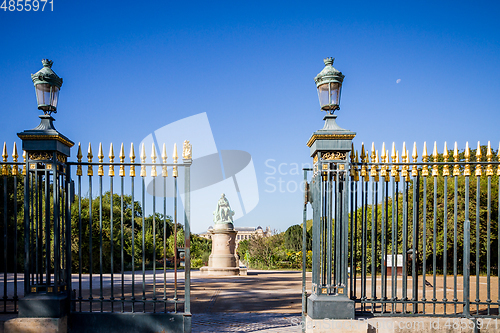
(223, 214)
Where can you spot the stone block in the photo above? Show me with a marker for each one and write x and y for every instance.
(36, 325)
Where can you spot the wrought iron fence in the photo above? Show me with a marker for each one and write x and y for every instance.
(117, 239)
(423, 235)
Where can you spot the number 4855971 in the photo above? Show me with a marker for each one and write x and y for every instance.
(26, 5)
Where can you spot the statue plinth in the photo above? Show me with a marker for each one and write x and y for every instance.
(223, 260)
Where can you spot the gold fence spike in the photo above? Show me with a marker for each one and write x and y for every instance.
(414, 170)
(175, 157)
(489, 157)
(164, 171)
(394, 156)
(388, 174)
(100, 157)
(5, 155)
(364, 160)
(121, 173)
(153, 159)
(143, 160)
(404, 169)
(383, 167)
(15, 170)
(24, 162)
(456, 168)
(356, 160)
(373, 170)
(79, 157)
(467, 159)
(435, 170)
(479, 170)
(90, 172)
(111, 159)
(132, 160)
(425, 159)
(446, 167)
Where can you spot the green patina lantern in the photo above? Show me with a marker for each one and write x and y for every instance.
(329, 84)
(47, 86)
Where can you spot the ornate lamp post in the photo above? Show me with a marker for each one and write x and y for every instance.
(330, 148)
(329, 83)
(47, 266)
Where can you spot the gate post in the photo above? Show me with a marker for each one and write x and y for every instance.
(47, 221)
(330, 148)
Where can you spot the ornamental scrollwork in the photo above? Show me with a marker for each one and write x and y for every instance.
(186, 150)
(334, 156)
(39, 156)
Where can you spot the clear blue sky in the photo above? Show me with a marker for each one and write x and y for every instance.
(131, 67)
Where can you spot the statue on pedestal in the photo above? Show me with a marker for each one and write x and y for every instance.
(223, 259)
(223, 214)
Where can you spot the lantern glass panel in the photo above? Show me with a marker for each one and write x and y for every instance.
(47, 96)
(323, 95)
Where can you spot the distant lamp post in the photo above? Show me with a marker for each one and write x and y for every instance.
(329, 84)
(47, 86)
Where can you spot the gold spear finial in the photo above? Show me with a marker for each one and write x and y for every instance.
(489, 157)
(164, 172)
(425, 159)
(456, 168)
(143, 161)
(414, 170)
(352, 156)
(364, 160)
(479, 170)
(404, 169)
(446, 167)
(373, 171)
(395, 168)
(435, 171)
(24, 162)
(467, 159)
(100, 156)
(383, 168)
(122, 160)
(5, 156)
(111, 159)
(153, 159)
(132, 160)
(79, 157)
(15, 170)
(175, 157)
(90, 172)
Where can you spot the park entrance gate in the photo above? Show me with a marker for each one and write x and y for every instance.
(87, 240)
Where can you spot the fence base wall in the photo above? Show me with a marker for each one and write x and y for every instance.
(129, 322)
(36, 325)
(402, 325)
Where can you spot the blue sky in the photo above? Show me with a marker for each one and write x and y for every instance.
(130, 68)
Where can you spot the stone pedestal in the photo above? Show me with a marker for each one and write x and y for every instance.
(223, 260)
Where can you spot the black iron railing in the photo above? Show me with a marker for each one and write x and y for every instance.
(423, 236)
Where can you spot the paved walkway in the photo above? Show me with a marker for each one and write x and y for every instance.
(262, 301)
(246, 322)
